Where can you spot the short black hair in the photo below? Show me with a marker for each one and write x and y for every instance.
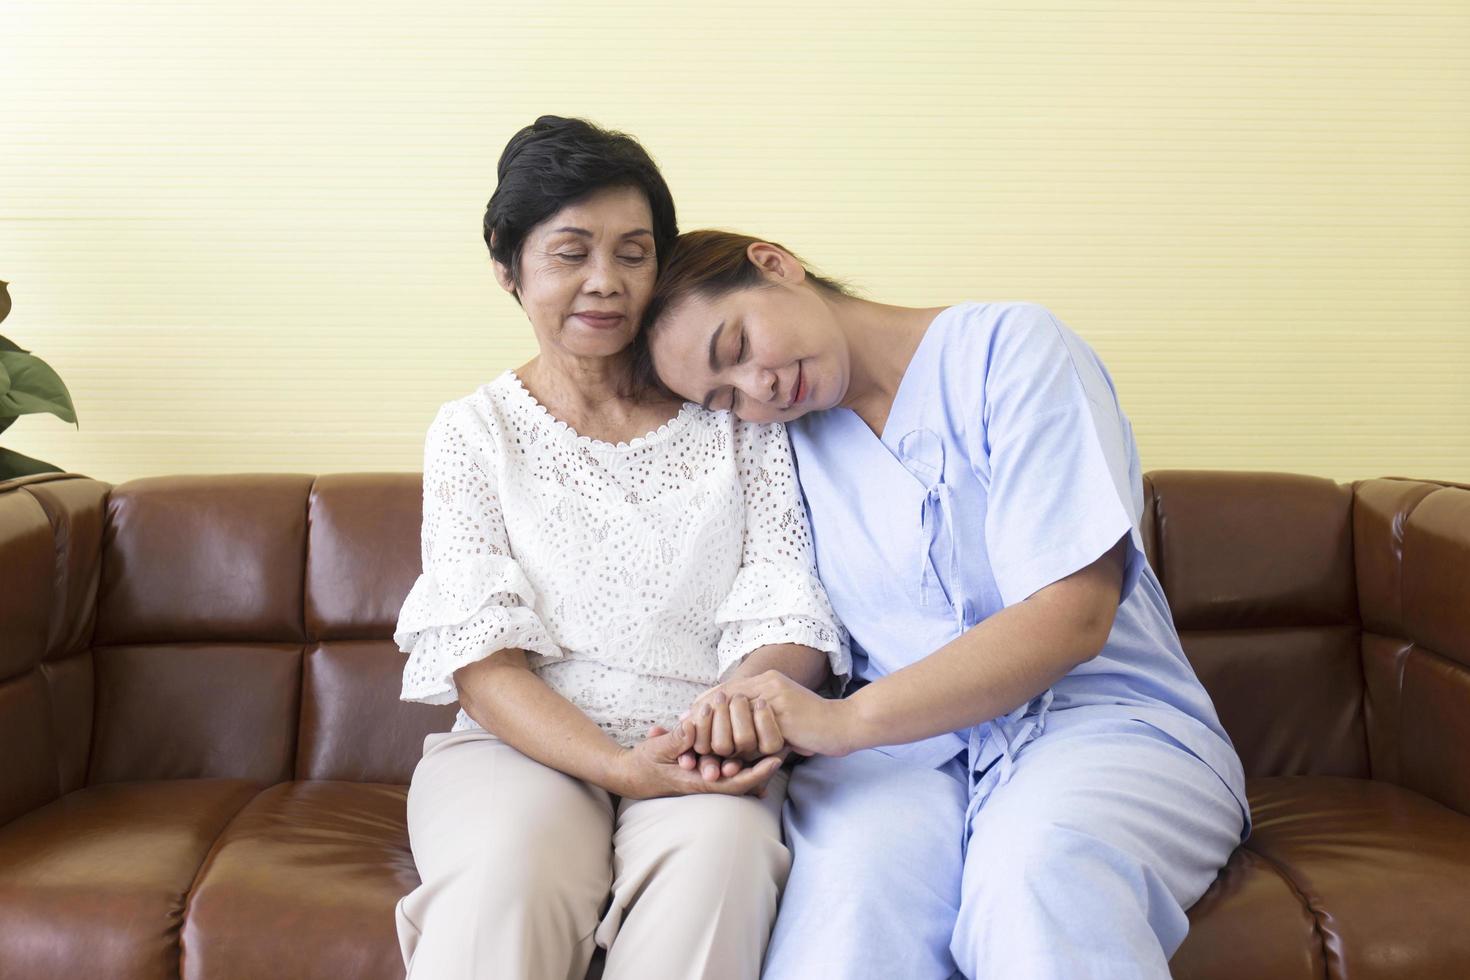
(555, 162)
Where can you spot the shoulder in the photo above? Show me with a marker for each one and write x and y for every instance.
(994, 333)
(758, 437)
(975, 348)
(478, 421)
(732, 434)
(989, 346)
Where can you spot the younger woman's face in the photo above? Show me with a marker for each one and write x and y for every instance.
(768, 353)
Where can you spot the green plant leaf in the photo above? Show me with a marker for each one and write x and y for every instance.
(4, 300)
(6, 421)
(10, 345)
(13, 464)
(4, 379)
(34, 387)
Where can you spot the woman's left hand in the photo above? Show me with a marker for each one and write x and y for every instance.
(810, 723)
(730, 732)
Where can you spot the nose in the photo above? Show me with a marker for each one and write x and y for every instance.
(761, 384)
(769, 384)
(603, 276)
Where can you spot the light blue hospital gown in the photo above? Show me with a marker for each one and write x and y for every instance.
(1067, 838)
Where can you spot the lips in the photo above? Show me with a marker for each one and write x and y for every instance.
(798, 391)
(600, 320)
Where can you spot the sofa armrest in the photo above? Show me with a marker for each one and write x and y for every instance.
(50, 559)
(1412, 557)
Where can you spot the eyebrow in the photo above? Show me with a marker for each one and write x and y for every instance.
(714, 363)
(587, 234)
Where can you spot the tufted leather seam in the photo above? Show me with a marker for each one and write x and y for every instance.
(1399, 527)
(57, 600)
(1306, 904)
(1439, 483)
(307, 635)
(18, 483)
(55, 792)
(103, 548)
(1400, 666)
(204, 866)
(1352, 532)
(310, 639)
(1274, 629)
(1396, 541)
(50, 526)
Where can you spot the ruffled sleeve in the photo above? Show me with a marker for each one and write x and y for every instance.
(473, 598)
(776, 596)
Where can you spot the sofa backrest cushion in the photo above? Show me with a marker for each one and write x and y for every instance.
(50, 537)
(1412, 559)
(1258, 571)
(241, 626)
(28, 766)
(362, 559)
(199, 628)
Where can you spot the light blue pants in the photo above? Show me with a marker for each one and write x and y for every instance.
(1081, 863)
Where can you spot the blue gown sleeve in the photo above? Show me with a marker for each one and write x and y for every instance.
(1057, 455)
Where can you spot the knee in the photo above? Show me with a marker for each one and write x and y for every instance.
(735, 823)
(1046, 858)
(1058, 871)
(884, 804)
(735, 837)
(511, 873)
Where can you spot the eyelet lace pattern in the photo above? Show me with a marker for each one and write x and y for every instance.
(634, 575)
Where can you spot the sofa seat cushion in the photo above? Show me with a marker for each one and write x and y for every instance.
(1382, 872)
(302, 883)
(93, 884)
(1251, 923)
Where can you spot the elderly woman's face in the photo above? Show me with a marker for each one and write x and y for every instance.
(587, 273)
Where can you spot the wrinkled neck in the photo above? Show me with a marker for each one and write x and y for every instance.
(584, 385)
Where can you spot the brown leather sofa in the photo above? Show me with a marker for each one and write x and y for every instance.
(205, 762)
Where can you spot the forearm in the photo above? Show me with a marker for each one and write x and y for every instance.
(806, 666)
(1004, 661)
(506, 698)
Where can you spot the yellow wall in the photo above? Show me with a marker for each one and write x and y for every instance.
(247, 234)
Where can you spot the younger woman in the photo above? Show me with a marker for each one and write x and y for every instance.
(1032, 782)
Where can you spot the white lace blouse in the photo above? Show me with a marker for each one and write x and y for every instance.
(635, 575)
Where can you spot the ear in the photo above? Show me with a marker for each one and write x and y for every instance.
(502, 274)
(775, 263)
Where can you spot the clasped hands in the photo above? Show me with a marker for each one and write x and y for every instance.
(731, 730)
(736, 735)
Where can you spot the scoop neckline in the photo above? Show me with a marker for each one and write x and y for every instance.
(669, 428)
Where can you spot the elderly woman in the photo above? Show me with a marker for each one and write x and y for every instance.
(1030, 781)
(596, 564)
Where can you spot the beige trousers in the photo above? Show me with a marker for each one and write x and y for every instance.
(524, 868)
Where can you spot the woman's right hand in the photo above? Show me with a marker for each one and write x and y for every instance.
(651, 768)
(730, 733)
